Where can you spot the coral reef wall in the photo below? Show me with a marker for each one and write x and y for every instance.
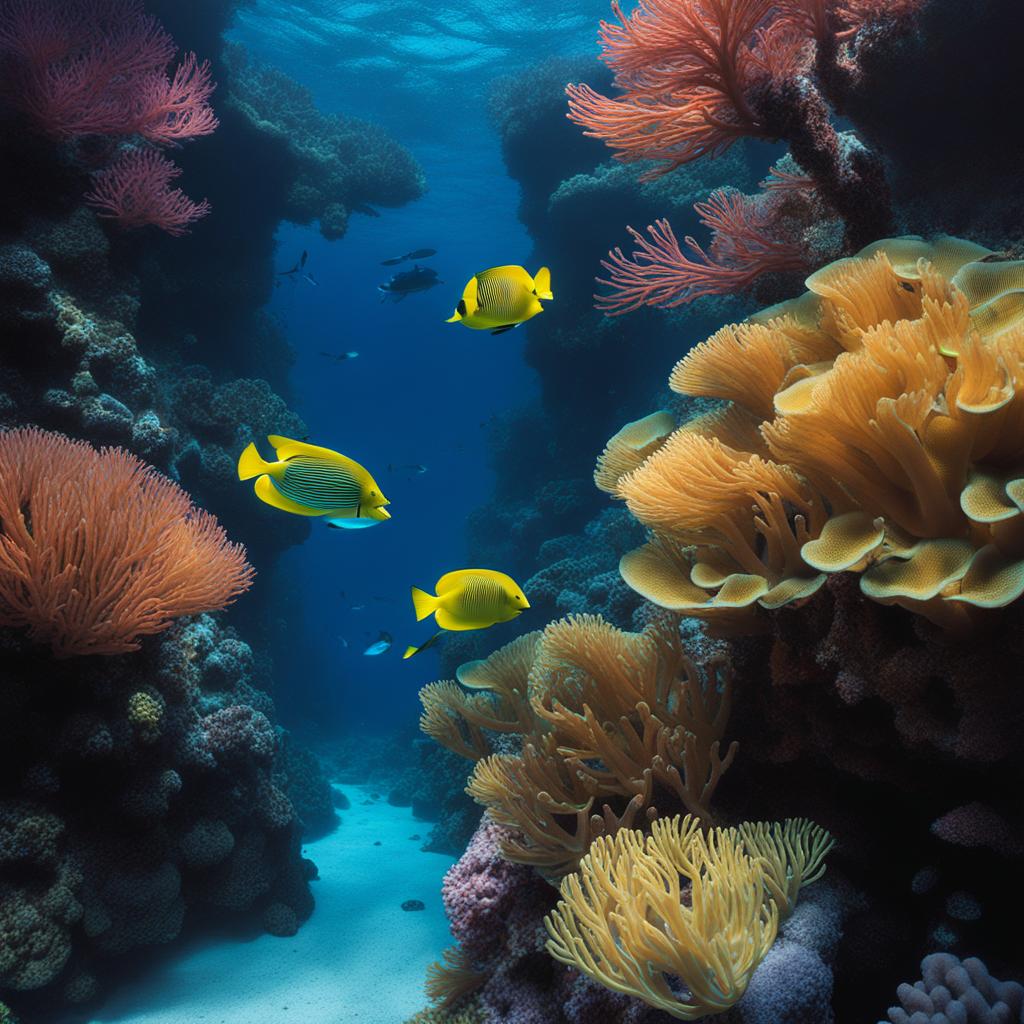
(864, 717)
(146, 793)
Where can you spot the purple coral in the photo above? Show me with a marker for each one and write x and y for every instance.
(491, 903)
(951, 992)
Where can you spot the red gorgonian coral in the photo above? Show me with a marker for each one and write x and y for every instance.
(660, 274)
(136, 191)
(685, 69)
(693, 77)
(98, 549)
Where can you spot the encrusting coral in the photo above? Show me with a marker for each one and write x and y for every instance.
(112, 840)
(682, 907)
(98, 549)
(874, 425)
(615, 727)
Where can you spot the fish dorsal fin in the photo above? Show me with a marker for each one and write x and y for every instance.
(288, 449)
(469, 297)
(510, 272)
(450, 580)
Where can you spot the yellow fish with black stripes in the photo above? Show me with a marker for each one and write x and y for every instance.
(468, 599)
(501, 298)
(308, 480)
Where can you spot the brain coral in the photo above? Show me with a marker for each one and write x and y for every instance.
(873, 425)
(97, 548)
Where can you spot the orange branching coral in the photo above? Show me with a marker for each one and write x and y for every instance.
(98, 549)
(875, 425)
(630, 446)
(616, 726)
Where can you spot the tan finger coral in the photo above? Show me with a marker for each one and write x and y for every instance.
(875, 425)
(615, 726)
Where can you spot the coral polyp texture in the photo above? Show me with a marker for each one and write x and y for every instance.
(873, 425)
(140, 789)
(98, 549)
(616, 727)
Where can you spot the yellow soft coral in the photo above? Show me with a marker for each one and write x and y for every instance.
(681, 918)
(875, 425)
(452, 980)
(677, 919)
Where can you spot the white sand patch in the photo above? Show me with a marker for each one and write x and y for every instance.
(359, 958)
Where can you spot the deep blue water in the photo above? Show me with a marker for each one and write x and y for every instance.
(421, 390)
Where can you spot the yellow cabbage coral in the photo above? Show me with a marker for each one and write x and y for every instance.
(614, 725)
(146, 712)
(875, 425)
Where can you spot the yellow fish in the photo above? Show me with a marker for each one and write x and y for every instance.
(471, 599)
(307, 480)
(468, 599)
(501, 298)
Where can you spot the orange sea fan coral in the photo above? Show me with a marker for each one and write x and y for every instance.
(890, 410)
(98, 549)
(685, 69)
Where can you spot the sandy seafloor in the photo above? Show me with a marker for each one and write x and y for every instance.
(360, 957)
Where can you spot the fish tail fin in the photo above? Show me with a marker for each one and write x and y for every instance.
(411, 650)
(424, 603)
(251, 463)
(542, 284)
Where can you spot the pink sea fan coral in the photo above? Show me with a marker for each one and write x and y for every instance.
(173, 110)
(659, 273)
(136, 191)
(81, 67)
